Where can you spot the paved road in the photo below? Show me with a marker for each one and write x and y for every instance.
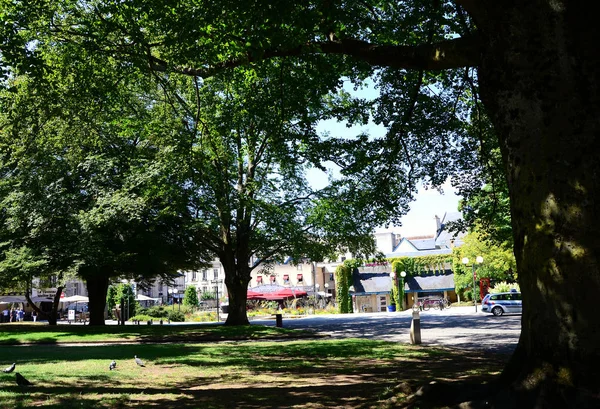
(458, 327)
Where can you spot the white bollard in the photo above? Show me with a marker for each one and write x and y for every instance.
(415, 328)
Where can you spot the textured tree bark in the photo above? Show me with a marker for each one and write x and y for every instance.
(236, 280)
(97, 287)
(540, 83)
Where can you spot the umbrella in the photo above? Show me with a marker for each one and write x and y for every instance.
(282, 294)
(142, 297)
(41, 299)
(254, 295)
(75, 298)
(8, 299)
(288, 293)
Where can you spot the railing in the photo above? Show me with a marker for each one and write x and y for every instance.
(426, 303)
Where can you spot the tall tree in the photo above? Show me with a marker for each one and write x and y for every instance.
(89, 191)
(248, 170)
(536, 65)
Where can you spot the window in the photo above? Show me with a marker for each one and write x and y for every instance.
(331, 277)
(286, 279)
(259, 280)
(194, 278)
(272, 279)
(204, 275)
(300, 278)
(215, 273)
(299, 267)
(205, 289)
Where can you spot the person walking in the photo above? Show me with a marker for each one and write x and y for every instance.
(13, 315)
(21, 314)
(5, 313)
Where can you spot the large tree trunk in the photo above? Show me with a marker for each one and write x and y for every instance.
(540, 82)
(97, 288)
(237, 279)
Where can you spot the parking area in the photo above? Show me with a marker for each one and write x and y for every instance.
(458, 327)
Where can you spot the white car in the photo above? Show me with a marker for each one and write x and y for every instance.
(502, 303)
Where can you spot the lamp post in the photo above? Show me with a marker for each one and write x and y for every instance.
(217, 282)
(479, 260)
(401, 292)
(173, 292)
(316, 294)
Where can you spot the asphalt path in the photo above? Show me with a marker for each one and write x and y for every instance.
(458, 327)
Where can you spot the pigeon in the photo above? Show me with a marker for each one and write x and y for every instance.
(9, 369)
(139, 361)
(21, 381)
(112, 365)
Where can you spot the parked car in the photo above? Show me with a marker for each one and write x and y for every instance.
(502, 303)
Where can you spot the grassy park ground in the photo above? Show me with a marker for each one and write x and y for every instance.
(220, 367)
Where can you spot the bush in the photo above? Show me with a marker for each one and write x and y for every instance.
(504, 287)
(141, 317)
(204, 317)
(154, 312)
(176, 316)
(191, 297)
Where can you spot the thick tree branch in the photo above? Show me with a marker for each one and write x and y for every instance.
(459, 52)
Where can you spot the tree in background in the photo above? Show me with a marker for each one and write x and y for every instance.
(124, 295)
(398, 284)
(88, 192)
(246, 170)
(111, 297)
(499, 262)
(190, 297)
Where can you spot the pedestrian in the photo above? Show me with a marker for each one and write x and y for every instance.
(34, 316)
(5, 313)
(13, 315)
(20, 314)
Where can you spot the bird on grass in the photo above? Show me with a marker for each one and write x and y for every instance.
(21, 381)
(112, 365)
(138, 361)
(9, 369)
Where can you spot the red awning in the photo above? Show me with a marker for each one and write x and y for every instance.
(254, 295)
(288, 293)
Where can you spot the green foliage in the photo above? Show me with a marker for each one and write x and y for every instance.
(155, 311)
(176, 316)
(397, 294)
(422, 265)
(207, 295)
(190, 150)
(504, 287)
(111, 297)
(498, 262)
(124, 293)
(190, 297)
(343, 281)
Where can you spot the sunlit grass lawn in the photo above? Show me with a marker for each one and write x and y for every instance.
(311, 373)
(15, 334)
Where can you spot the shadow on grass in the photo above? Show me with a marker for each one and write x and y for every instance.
(36, 334)
(337, 373)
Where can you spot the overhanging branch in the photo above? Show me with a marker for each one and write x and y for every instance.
(455, 53)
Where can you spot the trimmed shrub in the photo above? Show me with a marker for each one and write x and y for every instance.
(176, 316)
